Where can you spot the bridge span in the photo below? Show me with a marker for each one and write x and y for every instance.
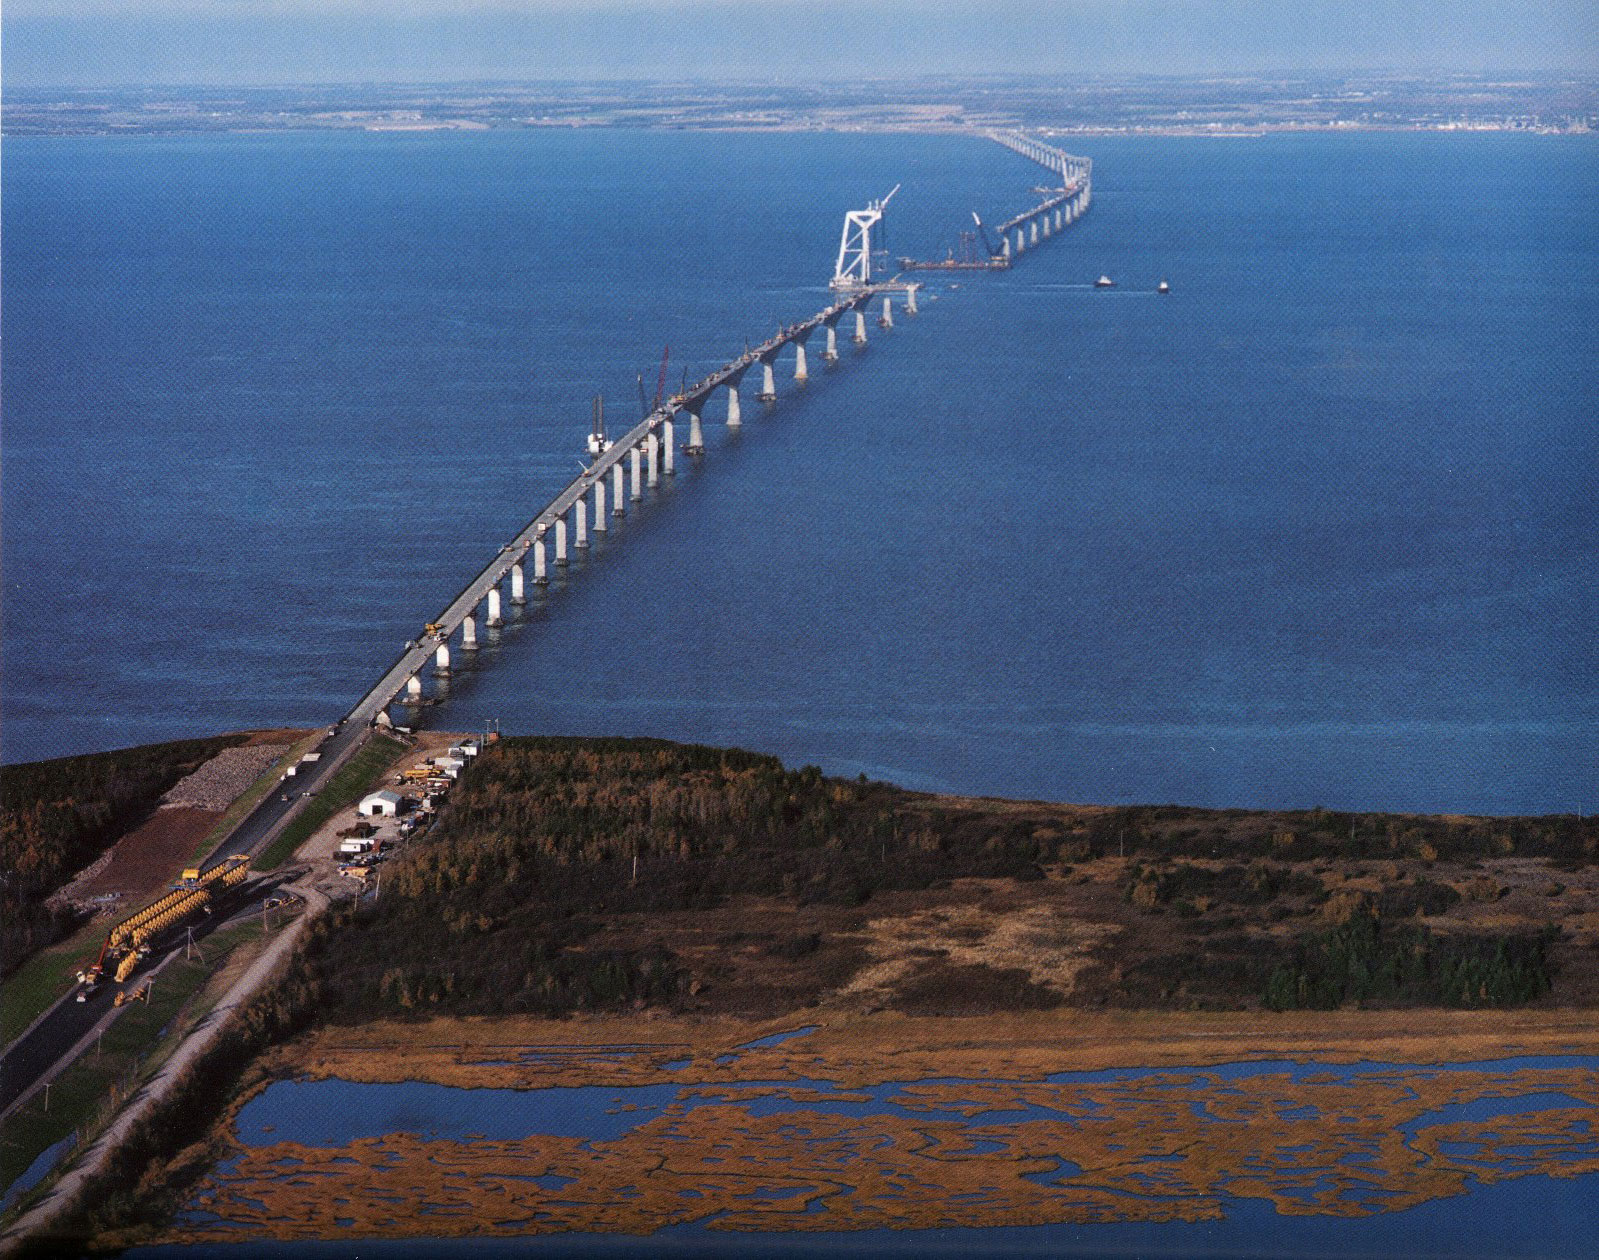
(1060, 208)
(639, 458)
(635, 461)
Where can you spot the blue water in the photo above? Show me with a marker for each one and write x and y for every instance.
(332, 1112)
(1315, 528)
(1526, 1217)
(1531, 1215)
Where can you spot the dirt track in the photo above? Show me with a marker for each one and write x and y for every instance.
(148, 857)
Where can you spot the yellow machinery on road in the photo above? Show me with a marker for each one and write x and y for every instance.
(129, 940)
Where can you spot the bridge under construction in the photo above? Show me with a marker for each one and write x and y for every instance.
(624, 470)
(1059, 209)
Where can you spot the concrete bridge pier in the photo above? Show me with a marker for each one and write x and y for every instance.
(668, 441)
(910, 300)
(635, 468)
(831, 353)
(441, 660)
(541, 576)
(616, 490)
(734, 416)
(1058, 223)
(580, 524)
(886, 319)
(560, 542)
(1020, 243)
(800, 373)
(1033, 235)
(860, 327)
(469, 633)
(413, 688)
(494, 618)
(600, 525)
(768, 382)
(652, 461)
(1004, 248)
(696, 439)
(518, 584)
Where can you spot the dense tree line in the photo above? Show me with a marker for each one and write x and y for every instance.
(1173, 831)
(57, 816)
(545, 839)
(1370, 960)
(543, 836)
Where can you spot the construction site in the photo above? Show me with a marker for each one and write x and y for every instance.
(192, 897)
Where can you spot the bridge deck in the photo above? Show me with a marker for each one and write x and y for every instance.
(693, 398)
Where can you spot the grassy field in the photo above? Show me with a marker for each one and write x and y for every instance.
(346, 787)
(30, 989)
(85, 1097)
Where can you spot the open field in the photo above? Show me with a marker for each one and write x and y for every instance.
(145, 860)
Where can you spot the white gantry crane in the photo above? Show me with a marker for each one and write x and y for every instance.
(854, 267)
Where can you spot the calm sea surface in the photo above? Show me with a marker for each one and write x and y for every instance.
(1318, 527)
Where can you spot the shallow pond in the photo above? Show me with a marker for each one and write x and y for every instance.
(1489, 1158)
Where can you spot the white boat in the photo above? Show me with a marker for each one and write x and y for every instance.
(1104, 282)
(1163, 287)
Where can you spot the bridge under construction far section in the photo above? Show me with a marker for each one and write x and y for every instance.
(624, 469)
(1059, 209)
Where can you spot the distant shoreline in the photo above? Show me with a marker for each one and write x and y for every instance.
(13, 131)
(1292, 102)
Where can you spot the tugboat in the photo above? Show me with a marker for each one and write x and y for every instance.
(1163, 287)
(598, 442)
(1104, 282)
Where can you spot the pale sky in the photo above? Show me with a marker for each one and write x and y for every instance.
(115, 42)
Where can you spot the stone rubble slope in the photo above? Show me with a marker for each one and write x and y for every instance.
(218, 783)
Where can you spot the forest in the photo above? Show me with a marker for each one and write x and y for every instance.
(58, 816)
(573, 874)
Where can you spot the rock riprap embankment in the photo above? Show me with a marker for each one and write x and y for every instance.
(218, 783)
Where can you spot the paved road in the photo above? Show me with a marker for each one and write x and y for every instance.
(40, 1050)
(261, 824)
(38, 1219)
(33, 1055)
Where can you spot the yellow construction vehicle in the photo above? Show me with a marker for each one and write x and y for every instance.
(130, 940)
